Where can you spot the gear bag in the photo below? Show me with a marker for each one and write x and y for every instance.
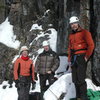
(93, 95)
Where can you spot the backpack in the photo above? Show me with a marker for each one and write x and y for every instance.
(93, 95)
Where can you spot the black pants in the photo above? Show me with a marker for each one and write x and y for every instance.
(23, 88)
(43, 79)
(78, 76)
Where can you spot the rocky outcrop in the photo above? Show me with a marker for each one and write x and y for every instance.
(2, 11)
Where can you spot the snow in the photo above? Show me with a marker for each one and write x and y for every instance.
(7, 36)
(47, 11)
(90, 85)
(52, 37)
(65, 85)
(35, 27)
(62, 85)
(63, 64)
(16, 56)
(8, 93)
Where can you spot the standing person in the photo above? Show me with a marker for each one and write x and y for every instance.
(46, 65)
(23, 74)
(80, 49)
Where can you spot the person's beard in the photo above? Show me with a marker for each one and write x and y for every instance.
(74, 31)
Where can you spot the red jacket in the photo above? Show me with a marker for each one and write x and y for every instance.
(81, 40)
(23, 67)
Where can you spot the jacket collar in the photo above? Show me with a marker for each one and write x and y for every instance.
(47, 52)
(78, 30)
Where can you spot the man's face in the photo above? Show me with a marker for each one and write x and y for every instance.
(46, 48)
(74, 26)
(25, 53)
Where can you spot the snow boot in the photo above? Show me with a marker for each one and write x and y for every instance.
(41, 95)
(78, 98)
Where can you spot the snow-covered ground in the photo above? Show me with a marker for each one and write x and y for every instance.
(62, 85)
(8, 93)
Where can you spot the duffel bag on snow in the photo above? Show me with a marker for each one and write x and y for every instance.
(93, 95)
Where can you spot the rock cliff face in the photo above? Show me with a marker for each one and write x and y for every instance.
(95, 29)
(23, 13)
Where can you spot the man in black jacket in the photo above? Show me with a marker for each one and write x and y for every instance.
(46, 65)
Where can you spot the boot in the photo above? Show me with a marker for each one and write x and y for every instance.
(78, 98)
(41, 95)
(84, 98)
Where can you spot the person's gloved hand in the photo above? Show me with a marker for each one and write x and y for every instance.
(33, 85)
(36, 78)
(17, 83)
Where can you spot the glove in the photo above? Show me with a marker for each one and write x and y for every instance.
(36, 78)
(17, 83)
(33, 85)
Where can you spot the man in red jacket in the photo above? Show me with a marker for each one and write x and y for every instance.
(23, 74)
(80, 48)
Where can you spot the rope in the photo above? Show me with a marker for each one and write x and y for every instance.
(54, 95)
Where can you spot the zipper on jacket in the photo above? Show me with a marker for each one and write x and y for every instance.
(45, 63)
(74, 40)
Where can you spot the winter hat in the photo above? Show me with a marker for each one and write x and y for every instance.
(73, 19)
(45, 43)
(24, 48)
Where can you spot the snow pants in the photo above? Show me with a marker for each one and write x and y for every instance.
(78, 76)
(43, 79)
(23, 88)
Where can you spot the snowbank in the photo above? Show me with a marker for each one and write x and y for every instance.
(62, 85)
(8, 93)
(7, 36)
(52, 36)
